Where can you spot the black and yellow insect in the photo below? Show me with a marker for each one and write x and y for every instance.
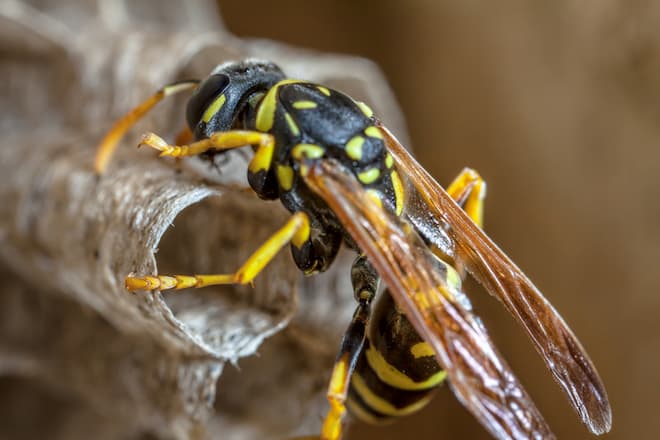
(346, 179)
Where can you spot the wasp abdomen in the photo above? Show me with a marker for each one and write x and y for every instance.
(397, 370)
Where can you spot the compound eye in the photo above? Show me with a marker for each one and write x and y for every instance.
(203, 96)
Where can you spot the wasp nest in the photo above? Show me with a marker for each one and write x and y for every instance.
(80, 356)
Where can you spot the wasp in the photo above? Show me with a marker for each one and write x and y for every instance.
(347, 180)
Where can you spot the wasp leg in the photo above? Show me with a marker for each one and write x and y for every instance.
(316, 255)
(469, 190)
(296, 231)
(109, 142)
(222, 140)
(365, 283)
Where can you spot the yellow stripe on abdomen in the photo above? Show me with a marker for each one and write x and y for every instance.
(397, 379)
(381, 405)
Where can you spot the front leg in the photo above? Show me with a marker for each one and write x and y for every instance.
(316, 254)
(219, 141)
(296, 231)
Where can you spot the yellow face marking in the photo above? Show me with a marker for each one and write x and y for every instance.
(399, 193)
(373, 132)
(309, 151)
(266, 111)
(365, 109)
(389, 161)
(421, 349)
(285, 177)
(369, 176)
(393, 377)
(304, 105)
(262, 158)
(214, 108)
(381, 405)
(354, 147)
(323, 90)
(292, 124)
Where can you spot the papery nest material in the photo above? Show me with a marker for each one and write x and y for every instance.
(131, 363)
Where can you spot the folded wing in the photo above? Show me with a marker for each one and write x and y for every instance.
(560, 349)
(478, 375)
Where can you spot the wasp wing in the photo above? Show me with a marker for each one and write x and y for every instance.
(560, 349)
(478, 375)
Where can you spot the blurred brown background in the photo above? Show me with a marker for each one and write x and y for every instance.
(557, 104)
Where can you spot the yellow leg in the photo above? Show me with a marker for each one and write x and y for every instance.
(222, 140)
(337, 391)
(469, 190)
(111, 139)
(296, 231)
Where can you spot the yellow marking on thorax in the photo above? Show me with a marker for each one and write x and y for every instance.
(323, 90)
(395, 378)
(421, 349)
(285, 177)
(292, 124)
(309, 151)
(373, 132)
(304, 105)
(354, 147)
(266, 112)
(399, 192)
(369, 176)
(389, 161)
(214, 108)
(381, 405)
(365, 109)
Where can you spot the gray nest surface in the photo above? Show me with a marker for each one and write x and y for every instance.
(80, 356)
